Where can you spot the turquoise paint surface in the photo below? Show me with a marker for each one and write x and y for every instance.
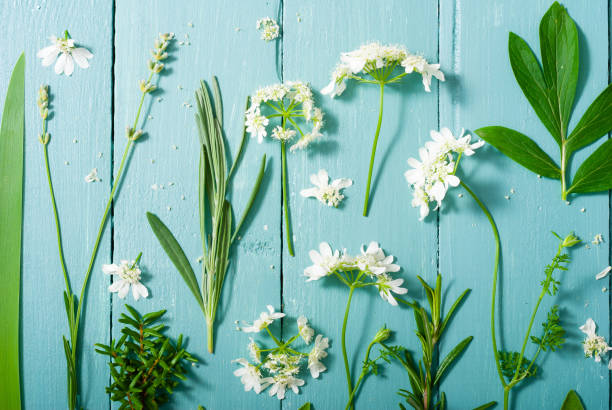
(468, 38)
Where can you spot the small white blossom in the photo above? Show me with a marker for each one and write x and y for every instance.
(444, 141)
(374, 262)
(305, 331)
(316, 354)
(256, 124)
(325, 262)
(265, 319)
(269, 28)
(254, 351)
(250, 376)
(282, 383)
(326, 193)
(126, 274)
(386, 285)
(594, 346)
(68, 55)
(92, 176)
(282, 134)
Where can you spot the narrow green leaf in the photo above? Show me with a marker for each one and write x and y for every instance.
(572, 402)
(486, 405)
(530, 78)
(521, 149)
(560, 55)
(448, 360)
(451, 311)
(595, 173)
(11, 213)
(306, 406)
(254, 192)
(176, 255)
(595, 123)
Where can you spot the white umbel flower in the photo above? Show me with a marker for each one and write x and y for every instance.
(68, 55)
(324, 262)
(594, 346)
(386, 285)
(269, 28)
(265, 320)
(305, 331)
(282, 383)
(374, 262)
(250, 376)
(316, 354)
(326, 193)
(127, 274)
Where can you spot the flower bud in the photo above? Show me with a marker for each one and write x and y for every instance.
(158, 68)
(382, 335)
(146, 86)
(44, 139)
(570, 240)
(137, 134)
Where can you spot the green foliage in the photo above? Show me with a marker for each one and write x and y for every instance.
(550, 88)
(572, 401)
(549, 283)
(11, 213)
(510, 362)
(216, 216)
(145, 365)
(306, 406)
(552, 332)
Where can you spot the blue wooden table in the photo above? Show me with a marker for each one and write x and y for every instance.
(92, 108)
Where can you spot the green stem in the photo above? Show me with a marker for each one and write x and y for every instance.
(285, 199)
(495, 275)
(564, 191)
(344, 354)
(361, 376)
(506, 394)
(209, 335)
(380, 116)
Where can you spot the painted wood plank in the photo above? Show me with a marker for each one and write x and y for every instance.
(315, 33)
(482, 91)
(223, 41)
(81, 106)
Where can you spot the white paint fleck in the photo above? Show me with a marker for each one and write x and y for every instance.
(66, 163)
(583, 210)
(190, 24)
(169, 208)
(174, 147)
(539, 176)
(512, 191)
(237, 29)
(150, 117)
(460, 195)
(604, 289)
(74, 141)
(507, 197)
(100, 155)
(271, 266)
(265, 227)
(183, 197)
(567, 203)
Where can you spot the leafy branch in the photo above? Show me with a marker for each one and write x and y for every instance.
(550, 88)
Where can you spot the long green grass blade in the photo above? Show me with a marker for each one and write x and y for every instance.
(11, 212)
(254, 193)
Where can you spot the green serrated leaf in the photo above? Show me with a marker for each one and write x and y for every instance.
(595, 173)
(11, 213)
(594, 124)
(572, 401)
(521, 149)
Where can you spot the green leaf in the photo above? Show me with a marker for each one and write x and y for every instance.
(254, 192)
(486, 405)
(450, 358)
(176, 255)
(521, 149)
(560, 55)
(11, 213)
(451, 311)
(572, 402)
(530, 78)
(306, 406)
(594, 124)
(595, 173)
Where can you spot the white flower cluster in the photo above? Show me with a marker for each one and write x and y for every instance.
(68, 55)
(374, 58)
(269, 28)
(127, 275)
(371, 263)
(594, 346)
(282, 364)
(294, 100)
(435, 172)
(326, 193)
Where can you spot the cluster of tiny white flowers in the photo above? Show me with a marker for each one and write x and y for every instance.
(127, 274)
(269, 28)
(281, 366)
(294, 94)
(371, 57)
(435, 172)
(594, 345)
(326, 193)
(372, 263)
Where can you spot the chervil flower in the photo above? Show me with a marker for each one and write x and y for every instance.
(594, 346)
(326, 193)
(316, 354)
(250, 376)
(265, 320)
(126, 274)
(374, 262)
(269, 28)
(282, 382)
(444, 141)
(386, 285)
(68, 55)
(325, 262)
(256, 124)
(305, 331)
(254, 351)
(282, 134)
(421, 66)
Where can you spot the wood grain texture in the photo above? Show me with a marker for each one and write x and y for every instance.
(469, 38)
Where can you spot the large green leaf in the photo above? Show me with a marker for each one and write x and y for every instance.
(530, 78)
(11, 213)
(595, 173)
(176, 255)
(560, 54)
(572, 402)
(520, 148)
(595, 123)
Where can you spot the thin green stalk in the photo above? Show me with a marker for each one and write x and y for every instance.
(495, 276)
(360, 379)
(344, 354)
(285, 199)
(380, 116)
